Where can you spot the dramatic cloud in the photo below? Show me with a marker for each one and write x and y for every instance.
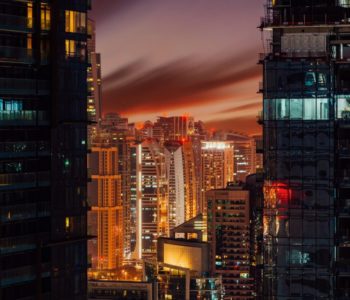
(183, 83)
(162, 33)
(240, 108)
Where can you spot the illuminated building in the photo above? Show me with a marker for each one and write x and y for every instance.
(43, 145)
(177, 128)
(217, 166)
(179, 158)
(175, 175)
(117, 133)
(306, 150)
(94, 80)
(133, 200)
(191, 180)
(229, 239)
(106, 215)
(182, 270)
(152, 198)
(244, 154)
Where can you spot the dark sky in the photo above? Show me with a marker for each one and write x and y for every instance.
(166, 57)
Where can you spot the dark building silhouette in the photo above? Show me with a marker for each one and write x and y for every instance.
(43, 118)
(306, 125)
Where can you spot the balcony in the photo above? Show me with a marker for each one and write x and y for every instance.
(15, 23)
(16, 55)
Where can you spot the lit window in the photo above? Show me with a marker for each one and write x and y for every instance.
(30, 15)
(67, 223)
(45, 17)
(75, 21)
(75, 49)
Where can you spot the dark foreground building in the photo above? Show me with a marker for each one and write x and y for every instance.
(43, 94)
(307, 150)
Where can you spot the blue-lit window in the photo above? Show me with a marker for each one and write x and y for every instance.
(297, 109)
(10, 105)
(343, 107)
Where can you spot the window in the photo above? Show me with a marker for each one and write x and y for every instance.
(75, 49)
(75, 21)
(322, 109)
(343, 107)
(282, 107)
(309, 109)
(296, 109)
(45, 17)
(30, 15)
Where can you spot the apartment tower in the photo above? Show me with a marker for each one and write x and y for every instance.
(43, 120)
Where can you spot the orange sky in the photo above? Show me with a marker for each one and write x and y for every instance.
(173, 57)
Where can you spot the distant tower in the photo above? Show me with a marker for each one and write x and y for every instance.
(229, 239)
(94, 80)
(106, 215)
(152, 198)
(217, 167)
(176, 181)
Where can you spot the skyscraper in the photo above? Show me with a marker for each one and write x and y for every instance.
(43, 120)
(152, 198)
(107, 210)
(244, 154)
(177, 128)
(176, 182)
(229, 238)
(94, 80)
(217, 167)
(306, 150)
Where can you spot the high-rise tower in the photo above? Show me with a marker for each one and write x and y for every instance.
(43, 91)
(306, 124)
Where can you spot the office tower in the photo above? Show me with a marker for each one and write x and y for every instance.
(177, 128)
(174, 162)
(43, 150)
(306, 146)
(116, 129)
(191, 180)
(217, 166)
(244, 154)
(133, 199)
(196, 139)
(152, 198)
(94, 80)
(229, 239)
(106, 215)
(181, 176)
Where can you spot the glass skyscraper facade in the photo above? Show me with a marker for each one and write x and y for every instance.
(43, 91)
(306, 122)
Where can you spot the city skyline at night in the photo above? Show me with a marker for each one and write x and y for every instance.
(174, 150)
